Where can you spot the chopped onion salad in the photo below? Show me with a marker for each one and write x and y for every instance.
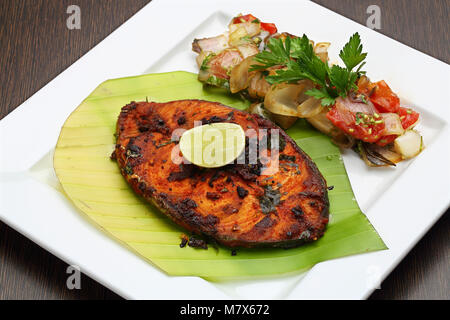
(289, 77)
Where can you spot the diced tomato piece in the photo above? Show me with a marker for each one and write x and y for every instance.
(386, 101)
(221, 64)
(383, 98)
(386, 140)
(245, 18)
(369, 133)
(408, 117)
(269, 27)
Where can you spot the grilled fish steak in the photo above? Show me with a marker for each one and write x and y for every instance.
(238, 205)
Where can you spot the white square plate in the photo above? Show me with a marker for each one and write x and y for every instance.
(402, 203)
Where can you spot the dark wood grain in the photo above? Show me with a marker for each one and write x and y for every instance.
(36, 46)
(421, 24)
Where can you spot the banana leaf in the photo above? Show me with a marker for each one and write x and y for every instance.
(94, 184)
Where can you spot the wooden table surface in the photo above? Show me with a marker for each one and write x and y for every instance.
(36, 46)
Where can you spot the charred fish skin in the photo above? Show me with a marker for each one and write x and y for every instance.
(238, 205)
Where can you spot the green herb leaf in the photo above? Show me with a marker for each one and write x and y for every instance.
(290, 74)
(298, 61)
(205, 62)
(339, 78)
(352, 54)
(321, 94)
(278, 54)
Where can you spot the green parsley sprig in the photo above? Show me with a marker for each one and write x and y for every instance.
(298, 61)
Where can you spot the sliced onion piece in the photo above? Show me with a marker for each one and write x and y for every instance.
(284, 98)
(284, 122)
(393, 124)
(239, 32)
(409, 145)
(258, 87)
(251, 29)
(236, 36)
(322, 123)
(228, 58)
(257, 108)
(201, 57)
(341, 139)
(240, 76)
(346, 105)
(309, 108)
(376, 156)
(220, 65)
(348, 108)
(321, 50)
(203, 75)
(213, 44)
(388, 153)
(248, 49)
(263, 36)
